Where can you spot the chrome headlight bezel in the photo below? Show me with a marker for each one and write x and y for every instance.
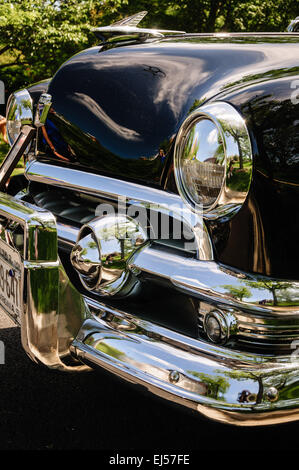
(19, 111)
(236, 143)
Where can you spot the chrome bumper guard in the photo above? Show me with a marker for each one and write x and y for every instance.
(66, 331)
(52, 310)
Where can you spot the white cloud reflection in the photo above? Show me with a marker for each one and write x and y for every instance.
(95, 108)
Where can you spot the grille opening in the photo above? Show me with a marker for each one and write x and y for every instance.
(77, 209)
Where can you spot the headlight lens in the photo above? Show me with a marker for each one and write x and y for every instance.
(202, 163)
(213, 160)
(19, 113)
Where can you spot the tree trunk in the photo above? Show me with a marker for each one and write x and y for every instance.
(212, 16)
(275, 300)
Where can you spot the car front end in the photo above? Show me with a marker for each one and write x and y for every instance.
(154, 231)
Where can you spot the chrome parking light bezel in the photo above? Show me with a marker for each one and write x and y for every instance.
(105, 240)
(22, 111)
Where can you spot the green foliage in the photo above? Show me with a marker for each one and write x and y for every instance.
(217, 384)
(214, 15)
(239, 181)
(3, 150)
(238, 292)
(38, 35)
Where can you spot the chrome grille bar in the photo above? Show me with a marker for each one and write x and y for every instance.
(208, 280)
(130, 193)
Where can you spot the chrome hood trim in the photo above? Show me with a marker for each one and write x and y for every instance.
(127, 29)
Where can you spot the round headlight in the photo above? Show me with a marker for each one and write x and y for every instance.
(213, 160)
(19, 112)
(202, 163)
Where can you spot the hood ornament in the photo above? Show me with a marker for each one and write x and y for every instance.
(131, 21)
(294, 26)
(127, 29)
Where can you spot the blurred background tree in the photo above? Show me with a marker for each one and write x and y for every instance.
(38, 35)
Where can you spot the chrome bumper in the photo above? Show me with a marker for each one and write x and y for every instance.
(228, 386)
(223, 384)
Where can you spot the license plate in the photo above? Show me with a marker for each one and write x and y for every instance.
(11, 281)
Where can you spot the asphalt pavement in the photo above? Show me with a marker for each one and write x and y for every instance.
(42, 409)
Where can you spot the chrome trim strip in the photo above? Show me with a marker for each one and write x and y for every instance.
(115, 33)
(67, 234)
(234, 387)
(131, 193)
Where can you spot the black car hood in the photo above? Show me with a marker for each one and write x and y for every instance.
(113, 109)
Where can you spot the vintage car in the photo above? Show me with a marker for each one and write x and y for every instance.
(154, 233)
